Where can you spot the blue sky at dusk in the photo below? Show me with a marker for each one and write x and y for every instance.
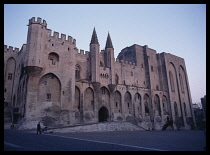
(179, 29)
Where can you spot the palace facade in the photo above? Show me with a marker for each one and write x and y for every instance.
(50, 80)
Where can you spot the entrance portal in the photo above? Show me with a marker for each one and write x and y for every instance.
(103, 114)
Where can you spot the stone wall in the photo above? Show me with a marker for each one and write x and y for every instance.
(58, 84)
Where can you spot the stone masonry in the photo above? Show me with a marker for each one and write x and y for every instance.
(51, 81)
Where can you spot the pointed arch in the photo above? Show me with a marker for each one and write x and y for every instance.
(89, 99)
(53, 58)
(49, 89)
(157, 105)
(182, 79)
(103, 114)
(118, 102)
(146, 104)
(104, 91)
(137, 102)
(9, 78)
(171, 78)
(181, 82)
(128, 102)
(104, 97)
(77, 99)
(77, 71)
(165, 105)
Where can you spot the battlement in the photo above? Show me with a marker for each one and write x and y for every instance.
(125, 62)
(62, 38)
(55, 34)
(10, 49)
(82, 52)
(38, 21)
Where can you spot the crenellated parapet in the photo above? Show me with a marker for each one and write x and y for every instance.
(38, 21)
(125, 63)
(10, 50)
(82, 53)
(62, 38)
(55, 36)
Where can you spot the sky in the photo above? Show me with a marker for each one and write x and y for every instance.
(179, 29)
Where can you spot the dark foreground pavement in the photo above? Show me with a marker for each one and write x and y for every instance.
(16, 140)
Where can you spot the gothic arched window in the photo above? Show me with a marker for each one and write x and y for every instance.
(53, 57)
(77, 71)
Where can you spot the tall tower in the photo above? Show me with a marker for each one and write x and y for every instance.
(109, 58)
(94, 57)
(35, 45)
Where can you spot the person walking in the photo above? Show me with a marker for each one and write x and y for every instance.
(38, 131)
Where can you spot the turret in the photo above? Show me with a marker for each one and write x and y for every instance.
(94, 39)
(109, 42)
(94, 57)
(109, 57)
(35, 45)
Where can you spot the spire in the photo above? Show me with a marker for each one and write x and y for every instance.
(94, 39)
(109, 42)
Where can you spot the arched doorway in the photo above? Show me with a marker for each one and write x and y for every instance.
(103, 114)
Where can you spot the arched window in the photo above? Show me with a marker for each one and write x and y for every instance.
(106, 75)
(53, 57)
(77, 71)
(171, 81)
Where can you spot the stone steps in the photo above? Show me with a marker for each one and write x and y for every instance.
(100, 127)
